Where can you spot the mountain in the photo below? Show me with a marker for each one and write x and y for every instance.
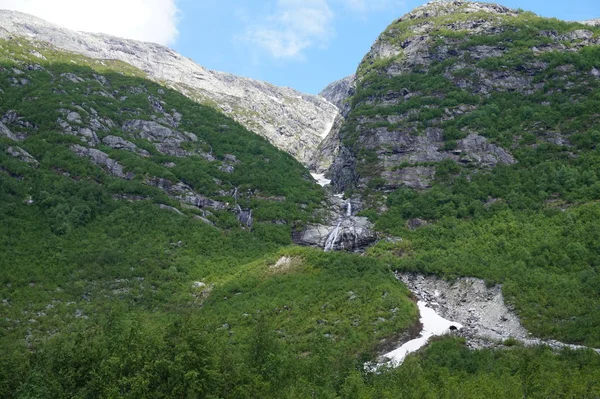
(468, 82)
(147, 240)
(292, 121)
(473, 135)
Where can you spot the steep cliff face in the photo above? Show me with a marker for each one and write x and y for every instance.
(338, 92)
(292, 121)
(328, 149)
(467, 83)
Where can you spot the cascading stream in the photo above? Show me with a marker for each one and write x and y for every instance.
(333, 236)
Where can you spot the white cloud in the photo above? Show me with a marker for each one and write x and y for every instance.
(364, 6)
(295, 26)
(147, 20)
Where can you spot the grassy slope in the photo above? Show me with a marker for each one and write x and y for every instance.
(96, 290)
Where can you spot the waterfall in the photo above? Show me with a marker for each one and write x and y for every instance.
(332, 237)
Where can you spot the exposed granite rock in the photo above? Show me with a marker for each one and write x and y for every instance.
(103, 160)
(166, 140)
(86, 135)
(384, 137)
(23, 155)
(328, 149)
(72, 77)
(5, 132)
(417, 177)
(351, 233)
(204, 220)
(592, 22)
(74, 117)
(120, 143)
(486, 318)
(185, 194)
(170, 208)
(339, 91)
(342, 229)
(478, 150)
(244, 216)
(343, 170)
(413, 224)
(292, 121)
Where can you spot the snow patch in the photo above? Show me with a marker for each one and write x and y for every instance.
(321, 180)
(433, 325)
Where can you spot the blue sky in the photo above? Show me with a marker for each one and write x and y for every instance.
(306, 44)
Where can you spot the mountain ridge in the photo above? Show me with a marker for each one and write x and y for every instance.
(292, 121)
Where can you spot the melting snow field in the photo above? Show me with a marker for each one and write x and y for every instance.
(321, 180)
(433, 325)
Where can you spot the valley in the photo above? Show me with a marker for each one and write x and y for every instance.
(171, 231)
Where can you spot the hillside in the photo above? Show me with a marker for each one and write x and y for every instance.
(126, 209)
(473, 136)
(292, 121)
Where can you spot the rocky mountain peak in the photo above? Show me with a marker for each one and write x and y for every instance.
(407, 35)
(435, 85)
(441, 8)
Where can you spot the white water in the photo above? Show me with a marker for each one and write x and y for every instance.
(321, 180)
(332, 237)
(433, 325)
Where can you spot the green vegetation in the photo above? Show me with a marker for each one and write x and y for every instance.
(107, 295)
(531, 226)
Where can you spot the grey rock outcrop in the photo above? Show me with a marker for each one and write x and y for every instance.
(482, 311)
(478, 150)
(170, 208)
(119, 143)
(103, 160)
(292, 121)
(184, 193)
(592, 22)
(394, 134)
(341, 231)
(5, 132)
(350, 234)
(244, 216)
(23, 155)
(339, 91)
(166, 140)
(328, 149)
